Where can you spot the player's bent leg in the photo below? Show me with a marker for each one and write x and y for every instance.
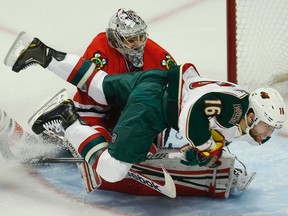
(84, 141)
(27, 51)
(89, 143)
(111, 169)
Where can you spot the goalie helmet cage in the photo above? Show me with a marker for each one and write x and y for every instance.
(257, 43)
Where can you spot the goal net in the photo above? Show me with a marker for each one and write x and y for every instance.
(257, 44)
(258, 34)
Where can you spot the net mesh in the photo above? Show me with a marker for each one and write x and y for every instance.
(262, 42)
(262, 45)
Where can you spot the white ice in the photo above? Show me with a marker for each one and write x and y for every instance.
(193, 31)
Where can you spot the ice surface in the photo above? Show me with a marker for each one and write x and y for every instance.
(193, 31)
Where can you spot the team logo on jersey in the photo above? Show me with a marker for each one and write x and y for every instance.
(98, 60)
(168, 62)
(236, 115)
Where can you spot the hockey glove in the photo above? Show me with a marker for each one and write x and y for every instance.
(193, 157)
(205, 158)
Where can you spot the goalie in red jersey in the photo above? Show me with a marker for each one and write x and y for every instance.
(124, 47)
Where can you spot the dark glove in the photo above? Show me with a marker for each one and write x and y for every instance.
(195, 157)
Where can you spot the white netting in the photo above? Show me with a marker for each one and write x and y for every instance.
(262, 42)
(262, 45)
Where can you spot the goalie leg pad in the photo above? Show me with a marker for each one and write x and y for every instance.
(91, 179)
(88, 143)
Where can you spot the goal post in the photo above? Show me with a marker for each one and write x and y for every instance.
(231, 41)
(257, 42)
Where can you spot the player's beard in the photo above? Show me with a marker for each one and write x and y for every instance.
(258, 136)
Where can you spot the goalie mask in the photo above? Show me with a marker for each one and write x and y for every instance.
(127, 33)
(269, 112)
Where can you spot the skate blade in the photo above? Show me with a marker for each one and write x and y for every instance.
(248, 182)
(21, 43)
(53, 102)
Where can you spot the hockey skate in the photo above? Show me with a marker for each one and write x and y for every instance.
(56, 132)
(27, 51)
(241, 181)
(58, 118)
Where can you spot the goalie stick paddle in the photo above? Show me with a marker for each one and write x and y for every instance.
(168, 189)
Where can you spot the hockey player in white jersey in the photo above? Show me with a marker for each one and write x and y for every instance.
(208, 113)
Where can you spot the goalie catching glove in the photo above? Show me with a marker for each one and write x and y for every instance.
(209, 158)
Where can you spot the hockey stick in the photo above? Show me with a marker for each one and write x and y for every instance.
(168, 189)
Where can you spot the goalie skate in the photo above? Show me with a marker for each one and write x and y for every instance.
(241, 181)
(56, 132)
(21, 43)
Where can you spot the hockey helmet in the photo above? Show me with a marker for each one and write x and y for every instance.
(268, 106)
(125, 26)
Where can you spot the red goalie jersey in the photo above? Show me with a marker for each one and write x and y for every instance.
(111, 61)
